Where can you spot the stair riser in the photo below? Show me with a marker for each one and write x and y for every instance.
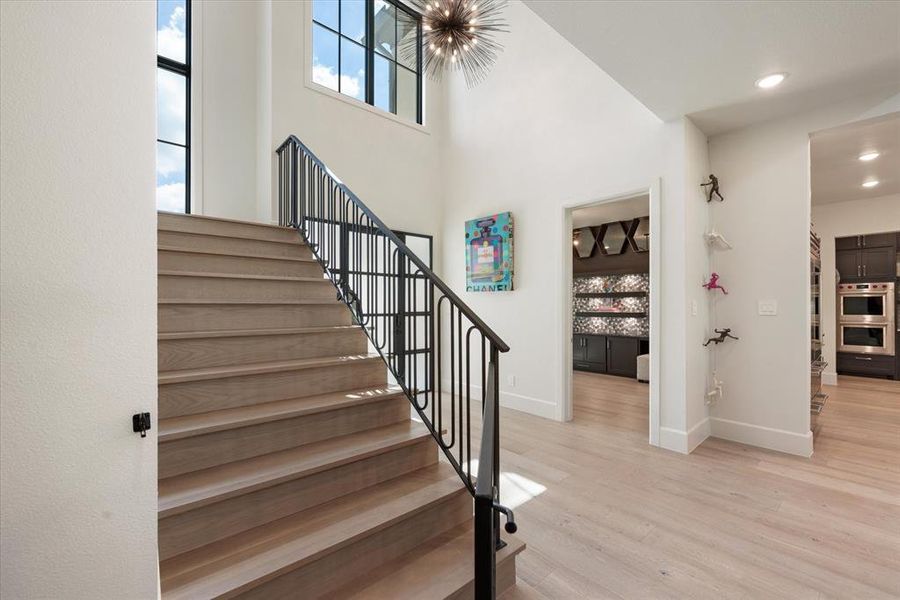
(322, 577)
(178, 287)
(222, 317)
(192, 529)
(212, 243)
(506, 578)
(172, 260)
(216, 227)
(222, 351)
(204, 451)
(177, 399)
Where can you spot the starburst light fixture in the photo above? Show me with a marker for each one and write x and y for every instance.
(460, 35)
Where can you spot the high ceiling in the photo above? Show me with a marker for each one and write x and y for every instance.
(838, 174)
(702, 58)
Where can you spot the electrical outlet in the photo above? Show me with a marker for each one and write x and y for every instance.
(511, 380)
(693, 308)
(768, 308)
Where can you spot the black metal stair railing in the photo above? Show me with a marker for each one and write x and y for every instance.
(443, 356)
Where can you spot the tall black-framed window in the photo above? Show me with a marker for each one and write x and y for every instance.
(370, 50)
(173, 105)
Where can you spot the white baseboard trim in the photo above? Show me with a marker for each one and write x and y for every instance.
(684, 441)
(764, 437)
(520, 402)
(533, 406)
(829, 378)
(697, 434)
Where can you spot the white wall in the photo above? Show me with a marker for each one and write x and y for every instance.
(394, 167)
(254, 77)
(548, 129)
(231, 87)
(697, 268)
(78, 290)
(764, 175)
(856, 217)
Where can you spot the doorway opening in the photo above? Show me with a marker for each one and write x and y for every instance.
(611, 274)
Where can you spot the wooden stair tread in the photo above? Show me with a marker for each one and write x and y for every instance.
(189, 250)
(226, 301)
(195, 217)
(176, 428)
(213, 275)
(245, 560)
(183, 376)
(213, 333)
(439, 568)
(185, 492)
(233, 236)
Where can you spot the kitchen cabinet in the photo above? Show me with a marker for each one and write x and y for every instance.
(622, 353)
(847, 264)
(874, 240)
(613, 354)
(877, 263)
(589, 352)
(869, 365)
(866, 264)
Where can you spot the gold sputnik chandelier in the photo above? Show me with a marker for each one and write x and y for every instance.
(460, 35)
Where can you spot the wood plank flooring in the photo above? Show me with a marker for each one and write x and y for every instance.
(605, 515)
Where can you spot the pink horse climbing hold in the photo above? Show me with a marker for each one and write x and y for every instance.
(713, 283)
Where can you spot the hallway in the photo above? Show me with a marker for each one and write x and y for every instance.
(607, 516)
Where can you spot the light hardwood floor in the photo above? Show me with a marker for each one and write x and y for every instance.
(605, 515)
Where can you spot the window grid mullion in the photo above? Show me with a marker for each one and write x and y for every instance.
(370, 52)
(184, 70)
(370, 55)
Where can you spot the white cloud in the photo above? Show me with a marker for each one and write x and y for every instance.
(169, 161)
(326, 76)
(171, 106)
(170, 40)
(170, 197)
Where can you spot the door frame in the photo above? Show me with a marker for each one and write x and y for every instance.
(565, 338)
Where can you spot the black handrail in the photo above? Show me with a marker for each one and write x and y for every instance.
(418, 325)
(389, 233)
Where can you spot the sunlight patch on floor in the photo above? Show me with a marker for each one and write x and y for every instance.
(515, 489)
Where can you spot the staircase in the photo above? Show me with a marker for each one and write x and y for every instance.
(288, 467)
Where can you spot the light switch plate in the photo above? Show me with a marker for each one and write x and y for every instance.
(768, 308)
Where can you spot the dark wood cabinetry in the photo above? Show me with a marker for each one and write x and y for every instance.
(870, 365)
(864, 259)
(861, 258)
(589, 352)
(622, 353)
(613, 354)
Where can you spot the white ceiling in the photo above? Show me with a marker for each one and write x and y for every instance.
(836, 171)
(620, 210)
(702, 58)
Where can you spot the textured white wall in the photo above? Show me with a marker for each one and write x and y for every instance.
(856, 217)
(764, 173)
(78, 289)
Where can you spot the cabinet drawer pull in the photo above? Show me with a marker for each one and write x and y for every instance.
(863, 357)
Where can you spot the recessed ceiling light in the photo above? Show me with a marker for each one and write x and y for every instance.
(867, 156)
(770, 81)
(871, 183)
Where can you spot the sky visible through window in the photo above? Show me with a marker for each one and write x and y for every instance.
(340, 51)
(171, 99)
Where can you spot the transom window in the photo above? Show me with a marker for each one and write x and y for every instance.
(370, 50)
(173, 101)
